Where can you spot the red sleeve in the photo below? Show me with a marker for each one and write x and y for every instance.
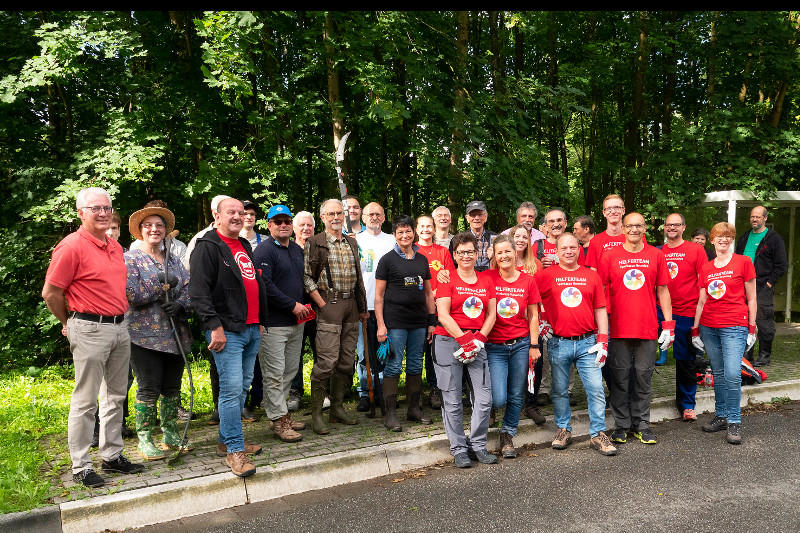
(599, 297)
(663, 272)
(749, 270)
(63, 266)
(533, 292)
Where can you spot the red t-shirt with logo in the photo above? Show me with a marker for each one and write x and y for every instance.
(726, 304)
(632, 279)
(600, 244)
(570, 298)
(550, 249)
(467, 302)
(248, 270)
(438, 258)
(684, 263)
(513, 299)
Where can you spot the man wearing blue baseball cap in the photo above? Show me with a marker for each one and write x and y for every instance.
(281, 262)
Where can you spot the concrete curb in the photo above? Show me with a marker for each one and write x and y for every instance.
(152, 505)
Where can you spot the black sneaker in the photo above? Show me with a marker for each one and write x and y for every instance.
(646, 436)
(89, 478)
(121, 465)
(734, 437)
(462, 460)
(483, 456)
(620, 435)
(717, 424)
(363, 404)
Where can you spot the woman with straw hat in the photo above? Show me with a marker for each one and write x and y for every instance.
(155, 355)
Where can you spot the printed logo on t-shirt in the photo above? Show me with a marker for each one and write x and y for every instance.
(633, 279)
(245, 265)
(571, 297)
(436, 265)
(473, 307)
(673, 269)
(717, 289)
(507, 307)
(367, 260)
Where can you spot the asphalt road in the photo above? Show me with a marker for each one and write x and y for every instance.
(689, 481)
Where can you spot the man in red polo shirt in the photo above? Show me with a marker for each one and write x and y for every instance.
(635, 275)
(85, 290)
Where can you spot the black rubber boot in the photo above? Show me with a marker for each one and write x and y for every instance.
(317, 397)
(414, 393)
(764, 353)
(390, 386)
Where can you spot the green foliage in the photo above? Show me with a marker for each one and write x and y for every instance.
(561, 108)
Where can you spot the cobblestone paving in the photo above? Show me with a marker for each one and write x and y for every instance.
(203, 461)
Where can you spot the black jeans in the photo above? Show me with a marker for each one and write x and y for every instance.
(157, 373)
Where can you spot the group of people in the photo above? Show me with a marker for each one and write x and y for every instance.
(504, 318)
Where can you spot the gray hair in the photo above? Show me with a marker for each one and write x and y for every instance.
(322, 206)
(527, 205)
(433, 214)
(217, 199)
(80, 200)
(304, 214)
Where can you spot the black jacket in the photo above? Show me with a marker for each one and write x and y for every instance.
(770, 260)
(216, 287)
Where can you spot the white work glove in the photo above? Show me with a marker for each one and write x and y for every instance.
(601, 349)
(751, 336)
(545, 331)
(697, 342)
(667, 336)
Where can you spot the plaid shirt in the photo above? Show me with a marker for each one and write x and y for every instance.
(341, 262)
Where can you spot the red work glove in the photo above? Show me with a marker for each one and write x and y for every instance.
(667, 336)
(601, 349)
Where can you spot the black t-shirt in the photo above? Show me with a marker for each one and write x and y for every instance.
(404, 302)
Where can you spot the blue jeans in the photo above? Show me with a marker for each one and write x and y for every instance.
(508, 368)
(563, 354)
(725, 348)
(235, 365)
(410, 341)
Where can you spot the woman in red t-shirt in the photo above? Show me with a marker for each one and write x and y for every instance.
(725, 321)
(509, 349)
(466, 308)
(525, 256)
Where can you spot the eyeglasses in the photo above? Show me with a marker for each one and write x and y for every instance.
(281, 222)
(97, 208)
(334, 214)
(678, 225)
(370, 215)
(466, 253)
(156, 225)
(634, 226)
(614, 208)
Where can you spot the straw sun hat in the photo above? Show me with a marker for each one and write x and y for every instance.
(135, 221)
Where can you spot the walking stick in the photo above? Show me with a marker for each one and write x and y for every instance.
(184, 440)
(371, 413)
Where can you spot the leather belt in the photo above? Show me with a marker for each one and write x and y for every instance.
(577, 337)
(102, 319)
(512, 342)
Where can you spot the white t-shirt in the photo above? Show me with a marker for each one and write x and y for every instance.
(370, 249)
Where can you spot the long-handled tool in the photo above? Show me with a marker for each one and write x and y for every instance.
(185, 440)
(370, 387)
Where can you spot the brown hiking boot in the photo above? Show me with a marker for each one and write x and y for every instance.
(240, 464)
(532, 412)
(562, 439)
(282, 428)
(507, 446)
(296, 424)
(602, 444)
(249, 449)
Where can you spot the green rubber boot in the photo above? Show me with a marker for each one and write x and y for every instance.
(317, 398)
(338, 413)
(169, 424)
(146, 414)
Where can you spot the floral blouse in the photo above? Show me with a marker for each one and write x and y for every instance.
(149, 327)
